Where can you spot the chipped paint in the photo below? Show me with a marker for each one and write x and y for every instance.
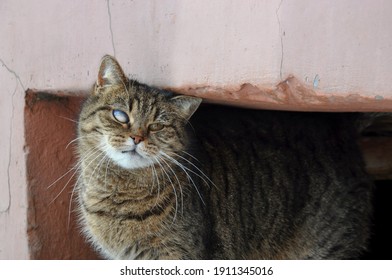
(316, 81)
(289, 94)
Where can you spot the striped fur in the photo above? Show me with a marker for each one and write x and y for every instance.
(235, 184)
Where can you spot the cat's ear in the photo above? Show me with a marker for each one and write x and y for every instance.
(110, 73)
(186, 104)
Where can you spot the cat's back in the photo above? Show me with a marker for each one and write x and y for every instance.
(230, 121)
(306, 133)
(290, 184)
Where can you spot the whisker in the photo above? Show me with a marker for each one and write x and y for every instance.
(187, 174)
(198, 169)
(159, 187)
(185, 152)
(70, 205)
(179, 184)
(151, 165)
(174, 189)
(106, 172)
(76, 167)
(76, 186)
(65, 118)
(78, 138)
(61, 177)
(98, 164)
(69, 180)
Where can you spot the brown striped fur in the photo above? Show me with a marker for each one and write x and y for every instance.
(235, 184)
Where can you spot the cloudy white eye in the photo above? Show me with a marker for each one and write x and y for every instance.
(120, 116)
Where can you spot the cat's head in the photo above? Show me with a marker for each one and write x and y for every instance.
(131, 123)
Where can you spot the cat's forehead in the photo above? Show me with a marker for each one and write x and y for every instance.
(149, 104)
(145, 99)
(127, 95)
(140, 101)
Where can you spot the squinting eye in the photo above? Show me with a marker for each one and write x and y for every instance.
(155, 126)
(121, 116)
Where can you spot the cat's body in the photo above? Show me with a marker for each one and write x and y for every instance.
(237, 184)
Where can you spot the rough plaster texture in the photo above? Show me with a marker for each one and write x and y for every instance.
(339, 53)
(53, 232)
(13, 242)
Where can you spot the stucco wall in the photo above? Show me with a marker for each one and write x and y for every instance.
(340, 53)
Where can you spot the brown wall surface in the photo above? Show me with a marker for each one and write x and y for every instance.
(50, 126)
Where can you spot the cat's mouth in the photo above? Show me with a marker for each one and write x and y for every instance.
(129, 157)
(131, 152)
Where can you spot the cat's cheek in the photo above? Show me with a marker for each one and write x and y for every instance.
(146, 151)
(166, 143)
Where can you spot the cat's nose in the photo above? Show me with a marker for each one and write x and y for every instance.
(137, 139)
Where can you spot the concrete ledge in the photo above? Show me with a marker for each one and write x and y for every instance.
(290, 94)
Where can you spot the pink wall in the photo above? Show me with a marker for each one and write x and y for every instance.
(340, 51)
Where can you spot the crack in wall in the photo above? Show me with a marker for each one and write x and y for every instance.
(110, 26)
(281, 34)
(18, 82)
(13, 73)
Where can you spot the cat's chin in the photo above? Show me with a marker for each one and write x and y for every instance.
(129, 159)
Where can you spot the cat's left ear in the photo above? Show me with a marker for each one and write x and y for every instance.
(110, 73)
(186, 104)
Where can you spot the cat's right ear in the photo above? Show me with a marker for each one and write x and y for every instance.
(110, 73)
(187, 105)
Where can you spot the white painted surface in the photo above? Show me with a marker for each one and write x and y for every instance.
(338, 47)
(13, 239)
(348, 44)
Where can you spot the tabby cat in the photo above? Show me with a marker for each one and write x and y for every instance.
(227, 183)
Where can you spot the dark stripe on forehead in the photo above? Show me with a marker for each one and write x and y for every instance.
(130, 103)
(136, 98)
(156, 113)
(145, 104)
(152, 109)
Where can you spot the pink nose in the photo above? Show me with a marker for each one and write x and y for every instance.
(137, 139)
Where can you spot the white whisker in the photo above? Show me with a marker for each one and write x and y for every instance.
(76, 139)
(76, 185)
(73, 175)
(98, 164)
(68, 119)
(70, 205)
(185, 169)
(174, 190)
(157, 177)
(65, 174)
(198, 169)
(152, 175)
(185, 152)
(179, 183)
(106, 172)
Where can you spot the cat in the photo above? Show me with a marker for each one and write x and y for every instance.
(165, 178)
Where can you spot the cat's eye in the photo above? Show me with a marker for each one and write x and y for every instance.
(120, 116)
(155, 126)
